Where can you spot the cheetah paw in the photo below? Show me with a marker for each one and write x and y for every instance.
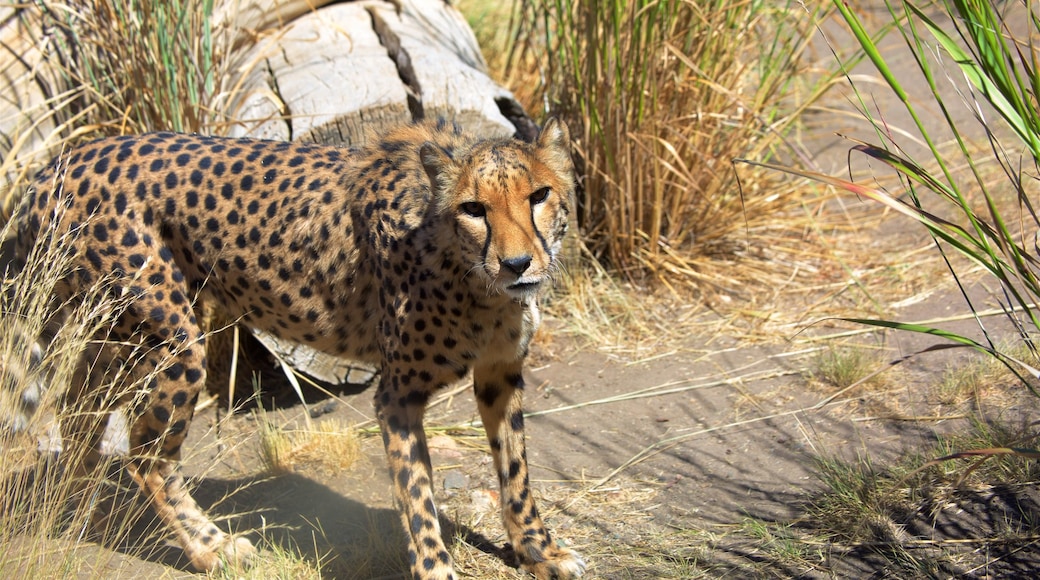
(561, 564)
(238, 552)
(233, 553)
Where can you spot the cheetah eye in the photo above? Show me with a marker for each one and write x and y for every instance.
(540, 196)
(473, 209)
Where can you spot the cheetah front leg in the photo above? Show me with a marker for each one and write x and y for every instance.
(400, 413)
(499, 393)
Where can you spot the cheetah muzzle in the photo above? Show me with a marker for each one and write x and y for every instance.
(423, 253)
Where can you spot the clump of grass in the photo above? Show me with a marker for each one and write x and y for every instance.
(859, 494)
(781, 542)
(278, 562)
(885, 508)
(864, 506)
(999, 453)
(842, 367)
(662, 96)
(966, 382)
(979, 378)
(329, 445)
(861, 503)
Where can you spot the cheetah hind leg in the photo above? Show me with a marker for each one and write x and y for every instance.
(155, 446)
(203, 543)
(165, 361)
(206, 546)
(156, 434)
(499, 393)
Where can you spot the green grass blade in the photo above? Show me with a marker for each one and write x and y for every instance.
(982, 81)
(870, 48)
(1016, 366)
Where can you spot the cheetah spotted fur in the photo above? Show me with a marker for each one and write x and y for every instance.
(423, 253)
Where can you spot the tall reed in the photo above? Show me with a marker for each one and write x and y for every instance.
(145, 65)
(87, 68)
(666, 93)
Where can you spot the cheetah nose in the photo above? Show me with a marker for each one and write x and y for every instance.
(517, 265)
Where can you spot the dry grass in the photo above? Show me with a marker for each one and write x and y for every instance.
(600, 310)
(981, 378)
(102, 68)
(581, 521)
(46, 509)
(378, 554)
(663, 96)
(326, 447)
(278, 562)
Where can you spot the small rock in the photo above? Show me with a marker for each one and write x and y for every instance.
(455, 479)
(484, 500)
(323, 408)
(444, 447)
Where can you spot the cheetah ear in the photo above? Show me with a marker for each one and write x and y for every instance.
(436, 162)
(554, 135)
(554, 146)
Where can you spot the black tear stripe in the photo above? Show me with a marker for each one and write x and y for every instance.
(487, 232)
(538, 233)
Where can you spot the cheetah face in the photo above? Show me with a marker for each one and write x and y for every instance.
(510, 203)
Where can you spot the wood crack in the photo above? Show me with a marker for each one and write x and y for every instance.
(402, 62)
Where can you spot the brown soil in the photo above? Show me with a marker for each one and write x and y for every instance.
(633, 484)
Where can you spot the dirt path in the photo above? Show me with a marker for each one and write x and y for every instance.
(708, 441)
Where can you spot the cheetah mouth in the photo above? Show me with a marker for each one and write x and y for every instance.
(523, 288)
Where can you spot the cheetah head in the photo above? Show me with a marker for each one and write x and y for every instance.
(510, 203)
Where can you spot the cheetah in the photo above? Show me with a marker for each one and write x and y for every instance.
(422, 253)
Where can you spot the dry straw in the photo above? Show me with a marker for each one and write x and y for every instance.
(667, 93)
